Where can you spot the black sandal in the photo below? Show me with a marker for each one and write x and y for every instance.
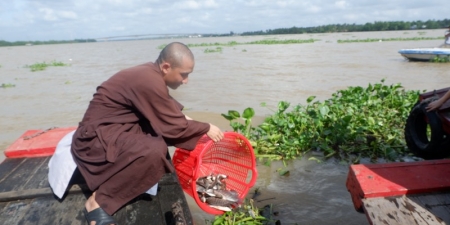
(99, 216)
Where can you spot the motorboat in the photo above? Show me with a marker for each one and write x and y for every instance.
(424, 54)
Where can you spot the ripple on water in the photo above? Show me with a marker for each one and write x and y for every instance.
(313, 193)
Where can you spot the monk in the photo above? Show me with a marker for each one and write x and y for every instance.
(120, 146)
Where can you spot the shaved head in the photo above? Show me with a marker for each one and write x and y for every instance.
(174, 53)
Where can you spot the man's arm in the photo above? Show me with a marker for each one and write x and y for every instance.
(436, 104)
(214, 132)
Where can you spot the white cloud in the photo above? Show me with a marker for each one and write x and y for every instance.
(184, 19)
(211, 4)
(146, 11)
(67, 15)
(197, 4)
(341, 4)
(100, 18)
(52, 15)
(48, 14)
(313, 8)
(285, 3)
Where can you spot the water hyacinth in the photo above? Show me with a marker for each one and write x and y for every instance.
(389, 39)
(355, 122)
(42, 66)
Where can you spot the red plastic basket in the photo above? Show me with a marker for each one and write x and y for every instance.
(232, 156)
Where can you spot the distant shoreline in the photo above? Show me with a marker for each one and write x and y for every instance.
(331, 28)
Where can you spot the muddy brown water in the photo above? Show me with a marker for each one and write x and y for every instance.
(239, 77)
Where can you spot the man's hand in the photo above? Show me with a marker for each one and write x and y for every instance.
(214, 133)
(434, 105)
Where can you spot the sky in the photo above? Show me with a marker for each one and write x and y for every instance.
(42, 20)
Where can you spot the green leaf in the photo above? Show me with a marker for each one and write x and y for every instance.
(265, 127)
(234, 114)
(248, 113)
(324, 110)
(310, 99)
(283, 172)
(347, 119)
(314, 159)
(229, 118)
(282, 106)
(371, 120)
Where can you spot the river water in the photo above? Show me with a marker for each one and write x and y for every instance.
(240, 76)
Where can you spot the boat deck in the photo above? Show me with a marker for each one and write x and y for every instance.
(415, 209)
(414, 193)
(26, 198)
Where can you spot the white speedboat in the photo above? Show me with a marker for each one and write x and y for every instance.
(424, 54)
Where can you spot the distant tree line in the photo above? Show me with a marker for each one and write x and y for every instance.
(376, 26)
(21, 43)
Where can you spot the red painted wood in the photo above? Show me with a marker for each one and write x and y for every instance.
(393, 179)
(38, 146)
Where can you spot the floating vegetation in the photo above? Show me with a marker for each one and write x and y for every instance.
(44, 65)
(390, 39)
(31, 43)
(260, 42)
(440, 59)
(230, 43)
(217, 49)
(283, 172)
(275, 42)
(8, 85)
(244, 50)
(246, 214)
(356, 122)
(421, 32)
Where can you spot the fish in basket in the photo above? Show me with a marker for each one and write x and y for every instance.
(218, 175)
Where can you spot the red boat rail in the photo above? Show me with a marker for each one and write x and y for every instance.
(394, 179)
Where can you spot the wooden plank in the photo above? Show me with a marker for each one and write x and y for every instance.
(36, 193)
(398, 210)
(168, 195)
(48, 210)
(21, 175)
(9, 166)
(12, 212)
(145, 209)
(437, 203)
(39, 179)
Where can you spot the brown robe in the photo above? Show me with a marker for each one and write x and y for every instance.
(120, 145)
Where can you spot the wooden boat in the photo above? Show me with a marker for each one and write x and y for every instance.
(402, 192)
(26, 197)
(424, 54)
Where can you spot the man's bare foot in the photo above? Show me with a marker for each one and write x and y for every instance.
(98, 214)
(91, 204)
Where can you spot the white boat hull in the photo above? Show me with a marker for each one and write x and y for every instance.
(424, 54)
